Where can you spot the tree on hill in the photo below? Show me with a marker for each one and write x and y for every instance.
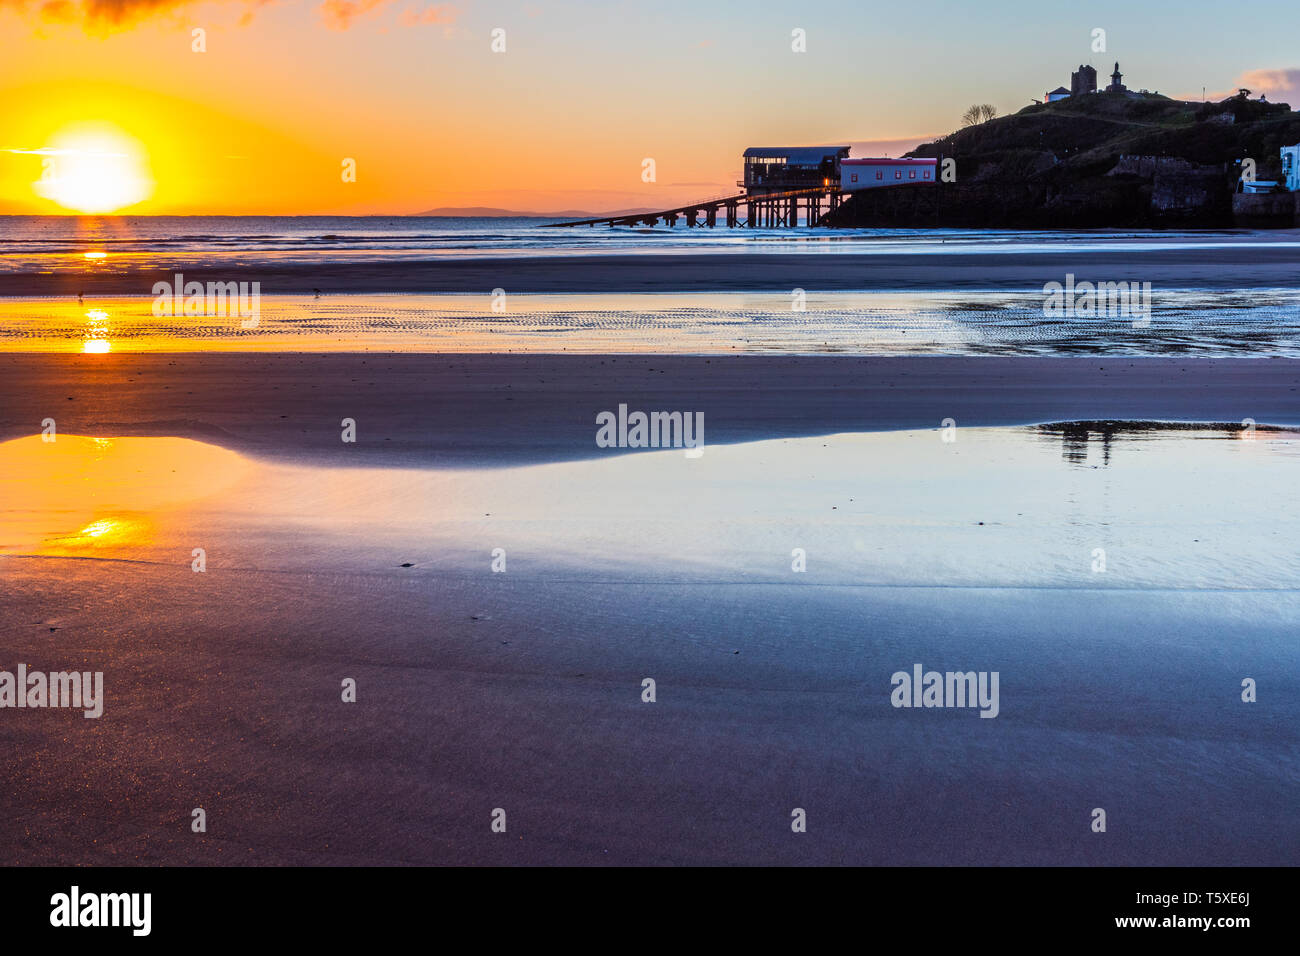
(980, 113)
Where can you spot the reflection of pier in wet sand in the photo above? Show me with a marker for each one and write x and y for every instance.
(1076, 437)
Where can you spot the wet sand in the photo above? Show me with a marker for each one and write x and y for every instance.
(477, 410)
(1250, 265)
(224, 693)
(522, 689)
(1201, 323)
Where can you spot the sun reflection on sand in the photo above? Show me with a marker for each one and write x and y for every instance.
(96, 341)
(98, 528)
(78, 494)
(118, 532)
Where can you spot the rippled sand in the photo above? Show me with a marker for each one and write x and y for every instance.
(1260, 322)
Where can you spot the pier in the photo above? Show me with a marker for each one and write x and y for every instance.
(761, 210)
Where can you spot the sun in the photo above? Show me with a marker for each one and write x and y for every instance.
(94, 168)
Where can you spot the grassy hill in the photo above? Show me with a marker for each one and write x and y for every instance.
(1055, 165)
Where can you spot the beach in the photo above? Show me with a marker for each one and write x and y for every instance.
(366, 571)
(481, 410)
(521, 687)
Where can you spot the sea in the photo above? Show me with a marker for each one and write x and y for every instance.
(1250, 321)
(44, 241)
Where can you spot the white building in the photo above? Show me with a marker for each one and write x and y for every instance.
(871, 173)
(1291, 167)
(1059, 93)
(1258, 186)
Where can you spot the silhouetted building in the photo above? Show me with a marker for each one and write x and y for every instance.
(1083, 80)
(780, 168)
(1116, 81)
(1059, 93)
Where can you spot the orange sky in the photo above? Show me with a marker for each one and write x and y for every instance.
(286, 90)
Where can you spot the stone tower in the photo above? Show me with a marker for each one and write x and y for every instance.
(1083, 80)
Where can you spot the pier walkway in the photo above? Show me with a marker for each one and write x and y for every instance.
(761, 210)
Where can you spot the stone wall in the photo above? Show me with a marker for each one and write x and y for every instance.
(1146, 167)
(1265, 210)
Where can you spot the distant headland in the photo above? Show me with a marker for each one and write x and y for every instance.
(1084, 158)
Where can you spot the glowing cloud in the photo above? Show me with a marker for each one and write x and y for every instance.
(343, 14)
(443, 13)
(105, 15)
(1280, 86)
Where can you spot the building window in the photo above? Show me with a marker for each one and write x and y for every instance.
(880, 174)
(927, 174)
(911, 174)
(855, 177)
(898, 174)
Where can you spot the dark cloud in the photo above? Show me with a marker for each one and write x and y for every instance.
(110, 15)
(95, 13)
